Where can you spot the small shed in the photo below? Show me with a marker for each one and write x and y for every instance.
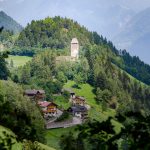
(69, 90)
(37, 95)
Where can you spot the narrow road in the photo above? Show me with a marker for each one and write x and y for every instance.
(69, 123)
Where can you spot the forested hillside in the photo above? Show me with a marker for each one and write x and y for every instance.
(17, 112)
(115, 94)
(57, 32)
(114, 89)
(99, 55)
(134, 66)
(7, 39)
(53, 33)
(112, 85)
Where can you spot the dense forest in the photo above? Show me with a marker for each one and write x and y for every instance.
(7, 39)
(53, 33)
(100, 65)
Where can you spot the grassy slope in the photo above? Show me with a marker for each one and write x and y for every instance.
(18, 60)
(86, 91)
(53, 136)
(45, 147)
(17, 145)
(96, 110)
(61, 102)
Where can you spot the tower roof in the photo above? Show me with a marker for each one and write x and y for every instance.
(74, 40)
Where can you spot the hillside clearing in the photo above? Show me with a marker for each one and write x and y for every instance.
(18, 60)
(86, 91)
(95, 113)
(61, 102)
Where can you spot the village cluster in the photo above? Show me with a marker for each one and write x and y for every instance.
(78, 107)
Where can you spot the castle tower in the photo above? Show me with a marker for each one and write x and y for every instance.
(75, 48)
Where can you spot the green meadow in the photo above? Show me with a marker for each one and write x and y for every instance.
(53, 136)
(18, 60)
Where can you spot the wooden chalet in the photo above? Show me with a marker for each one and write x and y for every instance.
(37, 95)
(78, 100)
(48, 108)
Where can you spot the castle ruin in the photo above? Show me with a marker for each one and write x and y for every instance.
(75, 48)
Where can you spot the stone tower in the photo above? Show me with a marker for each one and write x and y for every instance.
(75, 48)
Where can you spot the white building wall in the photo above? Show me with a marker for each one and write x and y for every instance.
(74, 48)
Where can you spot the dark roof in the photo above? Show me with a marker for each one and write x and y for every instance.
(34, 92)
(79, 108)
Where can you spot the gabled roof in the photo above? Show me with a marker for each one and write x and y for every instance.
(43, 103)
(46, 103)
(34, 92)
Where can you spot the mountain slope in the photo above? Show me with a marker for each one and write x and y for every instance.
(57, 32)
(135, 36)
(8, 23)
(53, 33)
(113, 87)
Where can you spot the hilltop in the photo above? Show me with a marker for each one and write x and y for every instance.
(56, 34)
(53, 33)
